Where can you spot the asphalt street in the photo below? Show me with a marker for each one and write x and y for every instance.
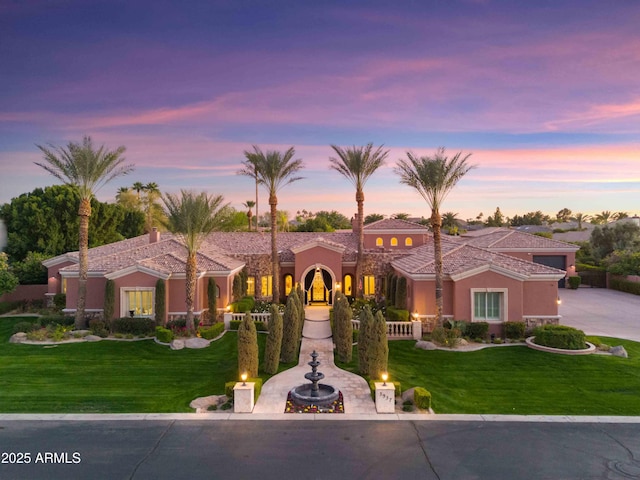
(176, 449)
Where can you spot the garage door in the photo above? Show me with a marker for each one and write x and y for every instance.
(555, 261)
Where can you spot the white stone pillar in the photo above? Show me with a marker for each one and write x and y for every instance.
(243, 397)
(227, 320)
(385, 397)
(416, 329)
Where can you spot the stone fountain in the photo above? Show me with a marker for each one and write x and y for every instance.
(314, 393)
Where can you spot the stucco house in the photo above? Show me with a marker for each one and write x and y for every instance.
(493, 275)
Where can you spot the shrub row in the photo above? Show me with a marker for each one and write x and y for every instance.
(560, 336)
(624, 285)
(260, 326)
(211, 332)
(397, 314)
(245, 304)
(134, 325)
(372, 386)
(181, 324)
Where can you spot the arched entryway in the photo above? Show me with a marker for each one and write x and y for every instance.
(318, 284)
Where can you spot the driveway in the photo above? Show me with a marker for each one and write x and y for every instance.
(599, 311)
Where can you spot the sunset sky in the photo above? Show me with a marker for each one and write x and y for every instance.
(545, 95)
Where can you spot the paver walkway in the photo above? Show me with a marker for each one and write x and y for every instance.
(355, 390)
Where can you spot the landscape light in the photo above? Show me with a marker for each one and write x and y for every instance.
(385, 375)
(244, 379)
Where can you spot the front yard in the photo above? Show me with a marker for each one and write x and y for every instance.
(142, 376)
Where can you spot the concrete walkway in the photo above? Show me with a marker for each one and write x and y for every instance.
(599, 311)
(316, 336)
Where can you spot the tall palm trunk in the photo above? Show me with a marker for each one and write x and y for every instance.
(84, 212)
(360, 256)
(273, 202)
(190, 290)
(436, 223)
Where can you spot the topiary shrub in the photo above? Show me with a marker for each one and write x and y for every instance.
(477, 330)
(344, 328)
(422, 398)
(364, 337)
(134, 326)
(244, 305)
(274, 343)
(397, 315)
(378, 347)
(560, 336)
(109, 303)
(212, 300)
(209, 333)
(574, 282)
(401, 294)
(248, 347)
(514, 330)
(290, 338)
(164, 335)
(160, 307)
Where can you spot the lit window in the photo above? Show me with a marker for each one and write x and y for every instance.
(251, 286)
(379, 242)
(288, 283)
(139, 301)
(488, 306)
(394, 242)
(408, 242)
(267, 285)
(369, 285)
(347, 287)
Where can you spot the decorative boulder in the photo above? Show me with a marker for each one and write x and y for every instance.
(92, 338)
(196, 343)
(424, 345)
(618, 351)
(462, 342)
(18, 337)
(177, 344)
(407, 395)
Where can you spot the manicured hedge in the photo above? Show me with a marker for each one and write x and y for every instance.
(26, 327)
(514, 330)
(624, 285)
(397, 314)
(560, 336)
(260, 326)
(372, 386)
(164, 335)
(134, 326)
(422, 398)
(245, 304)
(574, 282)
(477, 330)
(211, 332)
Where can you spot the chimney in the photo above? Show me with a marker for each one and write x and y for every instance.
(154, 235)
(355, 224)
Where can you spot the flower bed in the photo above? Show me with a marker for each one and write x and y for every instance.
(335, 407)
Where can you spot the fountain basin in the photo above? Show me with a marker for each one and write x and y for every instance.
(305, 395)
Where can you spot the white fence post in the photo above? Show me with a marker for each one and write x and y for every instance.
(416, 329)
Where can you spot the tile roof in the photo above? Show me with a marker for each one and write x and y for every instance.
(508, 239)
(394, 224)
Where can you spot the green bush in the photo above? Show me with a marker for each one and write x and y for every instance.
(290, 331)
(477, 330)
(514, 330)
(274, 343)
(364, 337)
(56, 320)
(257, 388)
(180, 324)
(248, 347)
(160, 307)
(397, 314)
(378, 354)
(244, 305)
(260, 326)
(624, 285)
(164, 335)
(26, 327)
(560, 336)
(400, 300)
(446, 337)
(109, 302)
(422, 398)
(211, 332)
(134, 326)
(98, 327)
(574, 282)
(343, 339)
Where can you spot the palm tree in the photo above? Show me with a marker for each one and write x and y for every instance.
(138, 187)
(581, 217)
(357, 164)
(273, 170)
(433, 178)
(450, 220)
(603, 217)
(250, 169)
(86, 169)
(192, 217)
(153, 210)
(249, 204)
(620, 215)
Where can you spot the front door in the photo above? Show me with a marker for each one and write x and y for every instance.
(318, 290)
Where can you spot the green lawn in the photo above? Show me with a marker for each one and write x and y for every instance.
(110, 376)
(518, 380)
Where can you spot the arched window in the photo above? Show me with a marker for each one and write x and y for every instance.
(288, 283)
(347, 288)
(379, 242)
(408, 242)
(394, 242)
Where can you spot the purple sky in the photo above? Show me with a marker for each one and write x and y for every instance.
(545, 95)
